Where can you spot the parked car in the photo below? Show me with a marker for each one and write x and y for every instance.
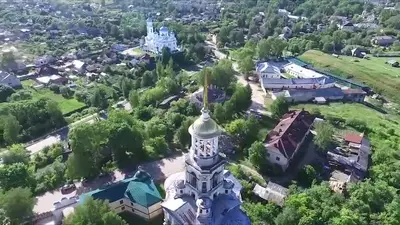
(68, 188)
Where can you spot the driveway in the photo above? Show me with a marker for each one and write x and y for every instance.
(159, 169)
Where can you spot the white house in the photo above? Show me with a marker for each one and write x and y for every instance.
(283, 142)
(266, 70)
(155, 42)
(9, 79)
(138, 195)
(297, 83)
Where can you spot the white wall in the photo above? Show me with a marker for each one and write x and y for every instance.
(295, 86)
(272, 158)
(128, 206)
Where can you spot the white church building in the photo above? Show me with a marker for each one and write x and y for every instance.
(205, 193)
(154, 42)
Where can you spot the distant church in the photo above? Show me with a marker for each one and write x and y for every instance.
(205, 193)
(154, 42)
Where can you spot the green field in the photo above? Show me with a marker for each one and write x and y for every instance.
(66, 105)
(374, 72)
(377, 122)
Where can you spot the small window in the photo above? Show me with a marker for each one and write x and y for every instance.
(121, 202)
(268, 154)
(226, 191)
(131, 204)
(123, 208)
(201, 211)
(133, 210)
(181, 191)
(277, 159)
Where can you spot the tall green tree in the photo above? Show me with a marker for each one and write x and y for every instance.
(134, 99)
(279, 107)
(15, 154)
(17, 204)
(324, 136)
(15, 175)
(94, 212)
(11, 129)
(246, 65)
(87, 144)
(182, 136)
(258, 155)
(120, 141)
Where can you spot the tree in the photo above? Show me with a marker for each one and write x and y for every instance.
(11, 129)
(5, 92)
(17, 204)
(156, 146)
(219, 113)
(3, 218)
(115, 31)
(15, 175)
(241, 98)
(156, 128)
(244, 130)
(182, 136)
(87, 144)
(15, 154)
(279, 107)
(94, 212)
(246, 65)
(134, 98)
(307, 175)
(99, 98)
(120, 141)
(260, 214)
(258, 155)
(324, 136)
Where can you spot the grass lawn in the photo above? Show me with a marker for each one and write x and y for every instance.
(373, 72)
(66, 105)
(136, 52)
(378, 123)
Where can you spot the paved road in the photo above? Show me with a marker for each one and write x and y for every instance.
(57, 136)
(158, 169)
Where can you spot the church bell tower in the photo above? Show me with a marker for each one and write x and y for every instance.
(204, 164)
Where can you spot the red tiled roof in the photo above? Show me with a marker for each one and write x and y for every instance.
(353, 138)
(289, 132)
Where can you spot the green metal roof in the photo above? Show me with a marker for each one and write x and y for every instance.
(139, 189)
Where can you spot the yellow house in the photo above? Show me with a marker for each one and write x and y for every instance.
(137, 195)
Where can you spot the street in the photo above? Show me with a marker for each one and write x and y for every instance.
(159, 170)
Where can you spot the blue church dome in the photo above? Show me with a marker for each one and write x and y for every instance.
(163, 29)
